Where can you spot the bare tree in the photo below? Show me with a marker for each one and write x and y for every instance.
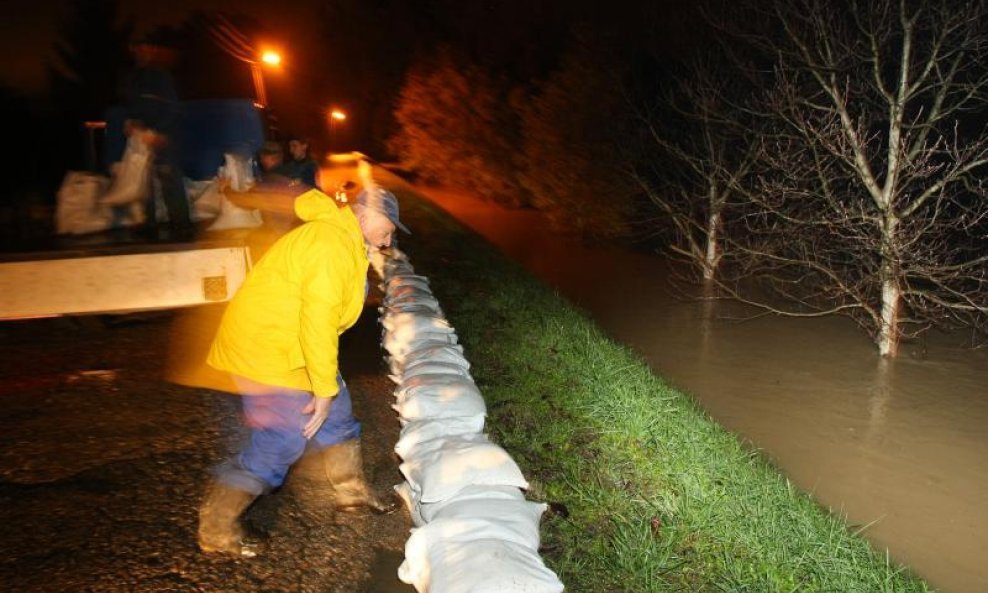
(708, 152)
(870, 197)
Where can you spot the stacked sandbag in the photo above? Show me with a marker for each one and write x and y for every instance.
(237, 171)
(474, 530)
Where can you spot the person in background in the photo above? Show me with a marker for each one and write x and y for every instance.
(271, 159)
(272, 194)
(300, 165)
(152, 106)
(279, 341)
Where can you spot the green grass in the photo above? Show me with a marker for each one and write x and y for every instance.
(658, 496)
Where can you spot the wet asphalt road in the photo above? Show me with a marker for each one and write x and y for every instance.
(103, 464)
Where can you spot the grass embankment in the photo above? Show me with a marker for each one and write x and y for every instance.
(659, 497)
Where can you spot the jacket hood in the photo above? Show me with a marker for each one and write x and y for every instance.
(315, 205)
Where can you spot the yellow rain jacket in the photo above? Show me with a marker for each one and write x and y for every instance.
(282, 327)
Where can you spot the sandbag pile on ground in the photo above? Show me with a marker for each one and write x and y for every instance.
(474, 530)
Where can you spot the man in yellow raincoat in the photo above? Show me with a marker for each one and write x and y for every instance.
(279, 341)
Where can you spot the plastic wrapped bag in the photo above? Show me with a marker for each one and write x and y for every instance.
(78, 209)
(130, 176)
(417, 432)
(238, 172)
(438, 472)
(205, 198)
(440, 564)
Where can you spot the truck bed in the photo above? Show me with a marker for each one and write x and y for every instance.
(120, 271)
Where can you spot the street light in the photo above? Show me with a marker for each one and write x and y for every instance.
(232, 41)
(270, 58)
(335, 115)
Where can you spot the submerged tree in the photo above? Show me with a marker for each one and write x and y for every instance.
(870, 199)
(701, 150)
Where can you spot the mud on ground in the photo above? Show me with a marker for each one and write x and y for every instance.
(103, 463)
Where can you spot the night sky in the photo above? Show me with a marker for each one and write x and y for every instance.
(28, 33)
(347, 54)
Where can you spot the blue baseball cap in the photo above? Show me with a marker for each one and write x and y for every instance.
(384, 202)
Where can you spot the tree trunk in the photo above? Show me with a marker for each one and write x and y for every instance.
(888, 338)
(712, 257)
(888, 333)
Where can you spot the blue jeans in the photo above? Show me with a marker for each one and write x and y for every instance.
(274, 416)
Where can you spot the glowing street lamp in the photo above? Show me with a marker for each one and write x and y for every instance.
(335, 115)
(270, 58)
(232, 41)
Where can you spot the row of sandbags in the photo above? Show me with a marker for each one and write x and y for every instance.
(474, 531)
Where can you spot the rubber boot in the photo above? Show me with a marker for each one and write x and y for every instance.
(219, 521)
(311, 485)
(345, 470)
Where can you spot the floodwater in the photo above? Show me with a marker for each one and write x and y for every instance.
(900, 448)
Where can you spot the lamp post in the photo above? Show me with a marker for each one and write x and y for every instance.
(271, 58)
(232, 41)
(335, 115)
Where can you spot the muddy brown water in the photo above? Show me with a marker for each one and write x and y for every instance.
(900, 448)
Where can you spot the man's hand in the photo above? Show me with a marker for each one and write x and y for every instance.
(319, 408)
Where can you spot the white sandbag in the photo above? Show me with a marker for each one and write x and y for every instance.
(442, 386)
(428, 367)
(439, 473)
(428, 448)
(437, 354)
(397, 265)
(455, 402)
(511, 520)
(234, 217)
(438, 396)
(415, 323)
(130, 177)
(399, 345)
(416, 432)
(407, 280)
(397, 255)
(409, 295)
(482, 493)
(205, 198)
(429, 308)
(431, 368)
(410, 499)
(376, 258)
(77, 209)
(402, 291)
(438, 564)
(423, 513)
(448, 353)
(238, 171)
(239, 174)
(451, 354)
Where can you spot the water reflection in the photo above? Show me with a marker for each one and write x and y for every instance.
(900, 447)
